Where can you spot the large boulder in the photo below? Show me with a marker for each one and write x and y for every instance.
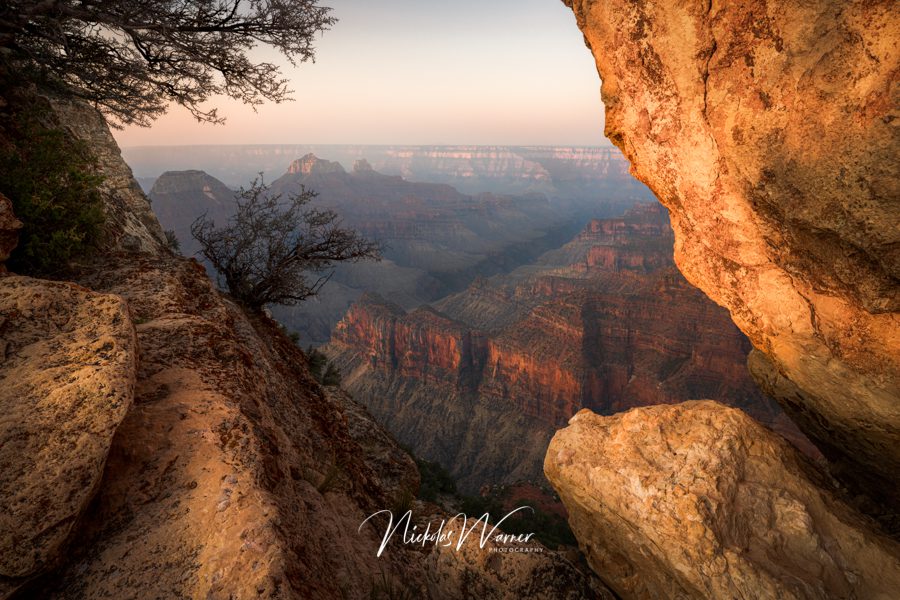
(67, 375)
(769, 130)
(697, 500)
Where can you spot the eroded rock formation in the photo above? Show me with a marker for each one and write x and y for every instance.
(67, 373)
(696, 500)
(769, 129)
(604, 322)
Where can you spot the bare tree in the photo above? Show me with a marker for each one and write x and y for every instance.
(132, 58)
(275, 252)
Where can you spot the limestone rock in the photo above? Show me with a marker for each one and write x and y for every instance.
(769, 129)
(311, 164)
(697, 500)
(9, 230)
(67, 374)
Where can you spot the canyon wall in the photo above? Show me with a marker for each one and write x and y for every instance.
(769, 129)
(604, 322)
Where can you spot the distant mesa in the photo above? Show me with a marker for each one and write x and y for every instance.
(312, 164)
(362, 166)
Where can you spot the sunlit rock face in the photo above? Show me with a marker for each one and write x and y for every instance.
(696, 500)
(67, 376)
(769, 131)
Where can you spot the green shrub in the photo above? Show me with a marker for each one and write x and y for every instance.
(434, 480)
(322, 369)
(52, 182)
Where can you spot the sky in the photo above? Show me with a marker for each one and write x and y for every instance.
(505, 72)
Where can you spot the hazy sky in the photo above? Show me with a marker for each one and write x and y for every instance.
(422, 72)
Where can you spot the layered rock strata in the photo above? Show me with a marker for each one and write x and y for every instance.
(604, 322)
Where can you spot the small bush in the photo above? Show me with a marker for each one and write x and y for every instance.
(275, 251)
(172, 241)
(51, 180)
(324, 371)
(402, 503)
(434, 480)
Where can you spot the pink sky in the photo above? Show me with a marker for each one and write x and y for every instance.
(411, 72)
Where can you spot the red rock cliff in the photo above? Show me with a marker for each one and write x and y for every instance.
(567, 333)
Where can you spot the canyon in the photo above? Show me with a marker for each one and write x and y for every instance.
(159, 441)
(436, 239)
(479, 381)
(558, 172)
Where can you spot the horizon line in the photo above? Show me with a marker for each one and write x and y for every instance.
(597, 146)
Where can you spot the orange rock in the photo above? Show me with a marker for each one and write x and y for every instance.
(768, 130)
(697, 500)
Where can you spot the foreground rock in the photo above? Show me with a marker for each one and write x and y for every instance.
(697, 500)
(67, 372)
(769, 130)
(233, 475)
